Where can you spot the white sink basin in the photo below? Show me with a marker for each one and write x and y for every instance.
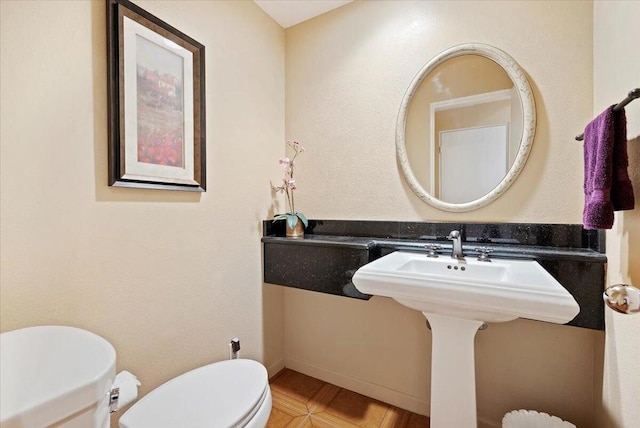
(496, 291)
(49, 373)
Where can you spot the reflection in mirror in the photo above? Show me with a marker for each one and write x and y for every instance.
(465, 127)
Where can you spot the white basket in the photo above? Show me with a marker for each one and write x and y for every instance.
(533, 419)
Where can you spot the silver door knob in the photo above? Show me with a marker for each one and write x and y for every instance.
(623, 298)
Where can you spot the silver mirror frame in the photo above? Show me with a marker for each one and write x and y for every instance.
(518, 77)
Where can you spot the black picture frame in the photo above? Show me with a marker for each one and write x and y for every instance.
(156, 97)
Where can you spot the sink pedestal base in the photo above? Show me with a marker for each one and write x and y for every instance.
(453, 379)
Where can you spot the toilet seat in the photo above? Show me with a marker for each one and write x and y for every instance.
(224, 394)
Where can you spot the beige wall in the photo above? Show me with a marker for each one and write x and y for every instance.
(347, 72)
(616, 71)
(167, 277)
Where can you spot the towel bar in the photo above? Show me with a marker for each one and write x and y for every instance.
(633, 94)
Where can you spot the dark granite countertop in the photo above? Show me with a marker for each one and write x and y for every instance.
(499, 250)
(346, 241)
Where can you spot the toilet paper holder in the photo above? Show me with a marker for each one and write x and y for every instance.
(123, 391)
(114, 396)
(623, 298)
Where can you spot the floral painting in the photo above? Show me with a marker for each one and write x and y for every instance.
(157, 117)
(160, 105)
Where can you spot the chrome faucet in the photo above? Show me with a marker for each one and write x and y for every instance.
(456, 237)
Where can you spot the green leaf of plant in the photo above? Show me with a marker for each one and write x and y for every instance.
(292, 219)
(303, 218)
(280, 217)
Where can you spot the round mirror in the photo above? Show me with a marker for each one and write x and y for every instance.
(465, 127)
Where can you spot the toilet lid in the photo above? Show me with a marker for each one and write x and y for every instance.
(223, 394)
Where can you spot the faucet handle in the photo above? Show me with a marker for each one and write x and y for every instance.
(484, 253)
(432, 249)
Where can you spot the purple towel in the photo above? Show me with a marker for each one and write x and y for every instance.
(621, 187)
(606, 181)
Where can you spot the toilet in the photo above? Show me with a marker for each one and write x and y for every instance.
(65, 377)
(232, 393)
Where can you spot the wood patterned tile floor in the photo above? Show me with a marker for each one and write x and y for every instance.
(300, 401)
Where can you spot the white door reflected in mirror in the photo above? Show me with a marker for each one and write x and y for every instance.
(472, 162)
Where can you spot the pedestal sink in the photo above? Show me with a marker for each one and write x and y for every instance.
(457, 296)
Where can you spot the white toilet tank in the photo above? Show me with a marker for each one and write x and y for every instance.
(55, 375)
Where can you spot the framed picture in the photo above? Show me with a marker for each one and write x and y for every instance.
(156, 97)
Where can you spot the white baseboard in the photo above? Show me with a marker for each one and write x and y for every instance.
(387, 395)
(274, 368)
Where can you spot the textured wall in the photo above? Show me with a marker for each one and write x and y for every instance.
(167, 277)
(346, 74)
(616, 71)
